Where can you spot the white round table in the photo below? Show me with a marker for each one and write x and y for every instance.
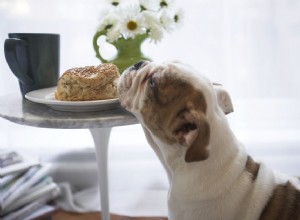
(24, 112)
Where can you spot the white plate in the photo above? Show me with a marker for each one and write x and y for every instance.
(46, 96)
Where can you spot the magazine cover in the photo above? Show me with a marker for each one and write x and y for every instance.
(8, 179)
(32, 207)
(12, 161)
(23, 184)
(44, 191)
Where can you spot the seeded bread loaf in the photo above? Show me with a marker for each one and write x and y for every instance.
(88, 83)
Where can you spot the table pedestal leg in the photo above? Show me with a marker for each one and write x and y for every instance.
(101, 139)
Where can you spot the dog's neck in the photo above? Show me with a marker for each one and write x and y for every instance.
(225, 152)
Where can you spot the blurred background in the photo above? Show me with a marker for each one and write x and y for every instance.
(251, 47)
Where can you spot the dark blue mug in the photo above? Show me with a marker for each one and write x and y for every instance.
(34, 59)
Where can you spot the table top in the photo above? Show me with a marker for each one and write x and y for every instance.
(25, 112)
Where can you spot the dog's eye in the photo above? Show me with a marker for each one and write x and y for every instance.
(151, 82)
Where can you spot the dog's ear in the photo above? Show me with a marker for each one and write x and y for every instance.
(224, 99)
(193, 132)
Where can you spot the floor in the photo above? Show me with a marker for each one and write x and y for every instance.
(96, 216)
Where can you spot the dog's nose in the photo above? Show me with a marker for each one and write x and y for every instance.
(138, 64)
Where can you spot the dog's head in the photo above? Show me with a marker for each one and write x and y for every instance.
(175, 103)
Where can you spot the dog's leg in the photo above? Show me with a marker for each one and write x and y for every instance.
(157, 151)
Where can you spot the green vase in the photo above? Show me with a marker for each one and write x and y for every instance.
(128, 51)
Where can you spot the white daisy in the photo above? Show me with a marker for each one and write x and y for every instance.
(151, 19)
(166, 20)
(128, 10)
(153, 25)
(132, 27)
(178, 17)
(149, 5)
(127, 19)
(166, 3)
(113, 34)
(156, 33)
(133, 23)
(114, 2)
(108, 22)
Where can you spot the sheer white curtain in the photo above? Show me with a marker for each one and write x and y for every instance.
(251, 47)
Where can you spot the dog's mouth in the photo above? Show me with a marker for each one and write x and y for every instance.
(127, 80)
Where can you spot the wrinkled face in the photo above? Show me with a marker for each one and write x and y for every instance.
(170, 101)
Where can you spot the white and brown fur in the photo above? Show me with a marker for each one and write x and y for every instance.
(211, 176)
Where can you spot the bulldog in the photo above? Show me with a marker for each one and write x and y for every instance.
(211, 176)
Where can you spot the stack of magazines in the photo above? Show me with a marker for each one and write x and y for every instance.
(26, 189)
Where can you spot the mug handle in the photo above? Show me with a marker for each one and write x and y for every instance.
(96, 46)
(10, 51)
